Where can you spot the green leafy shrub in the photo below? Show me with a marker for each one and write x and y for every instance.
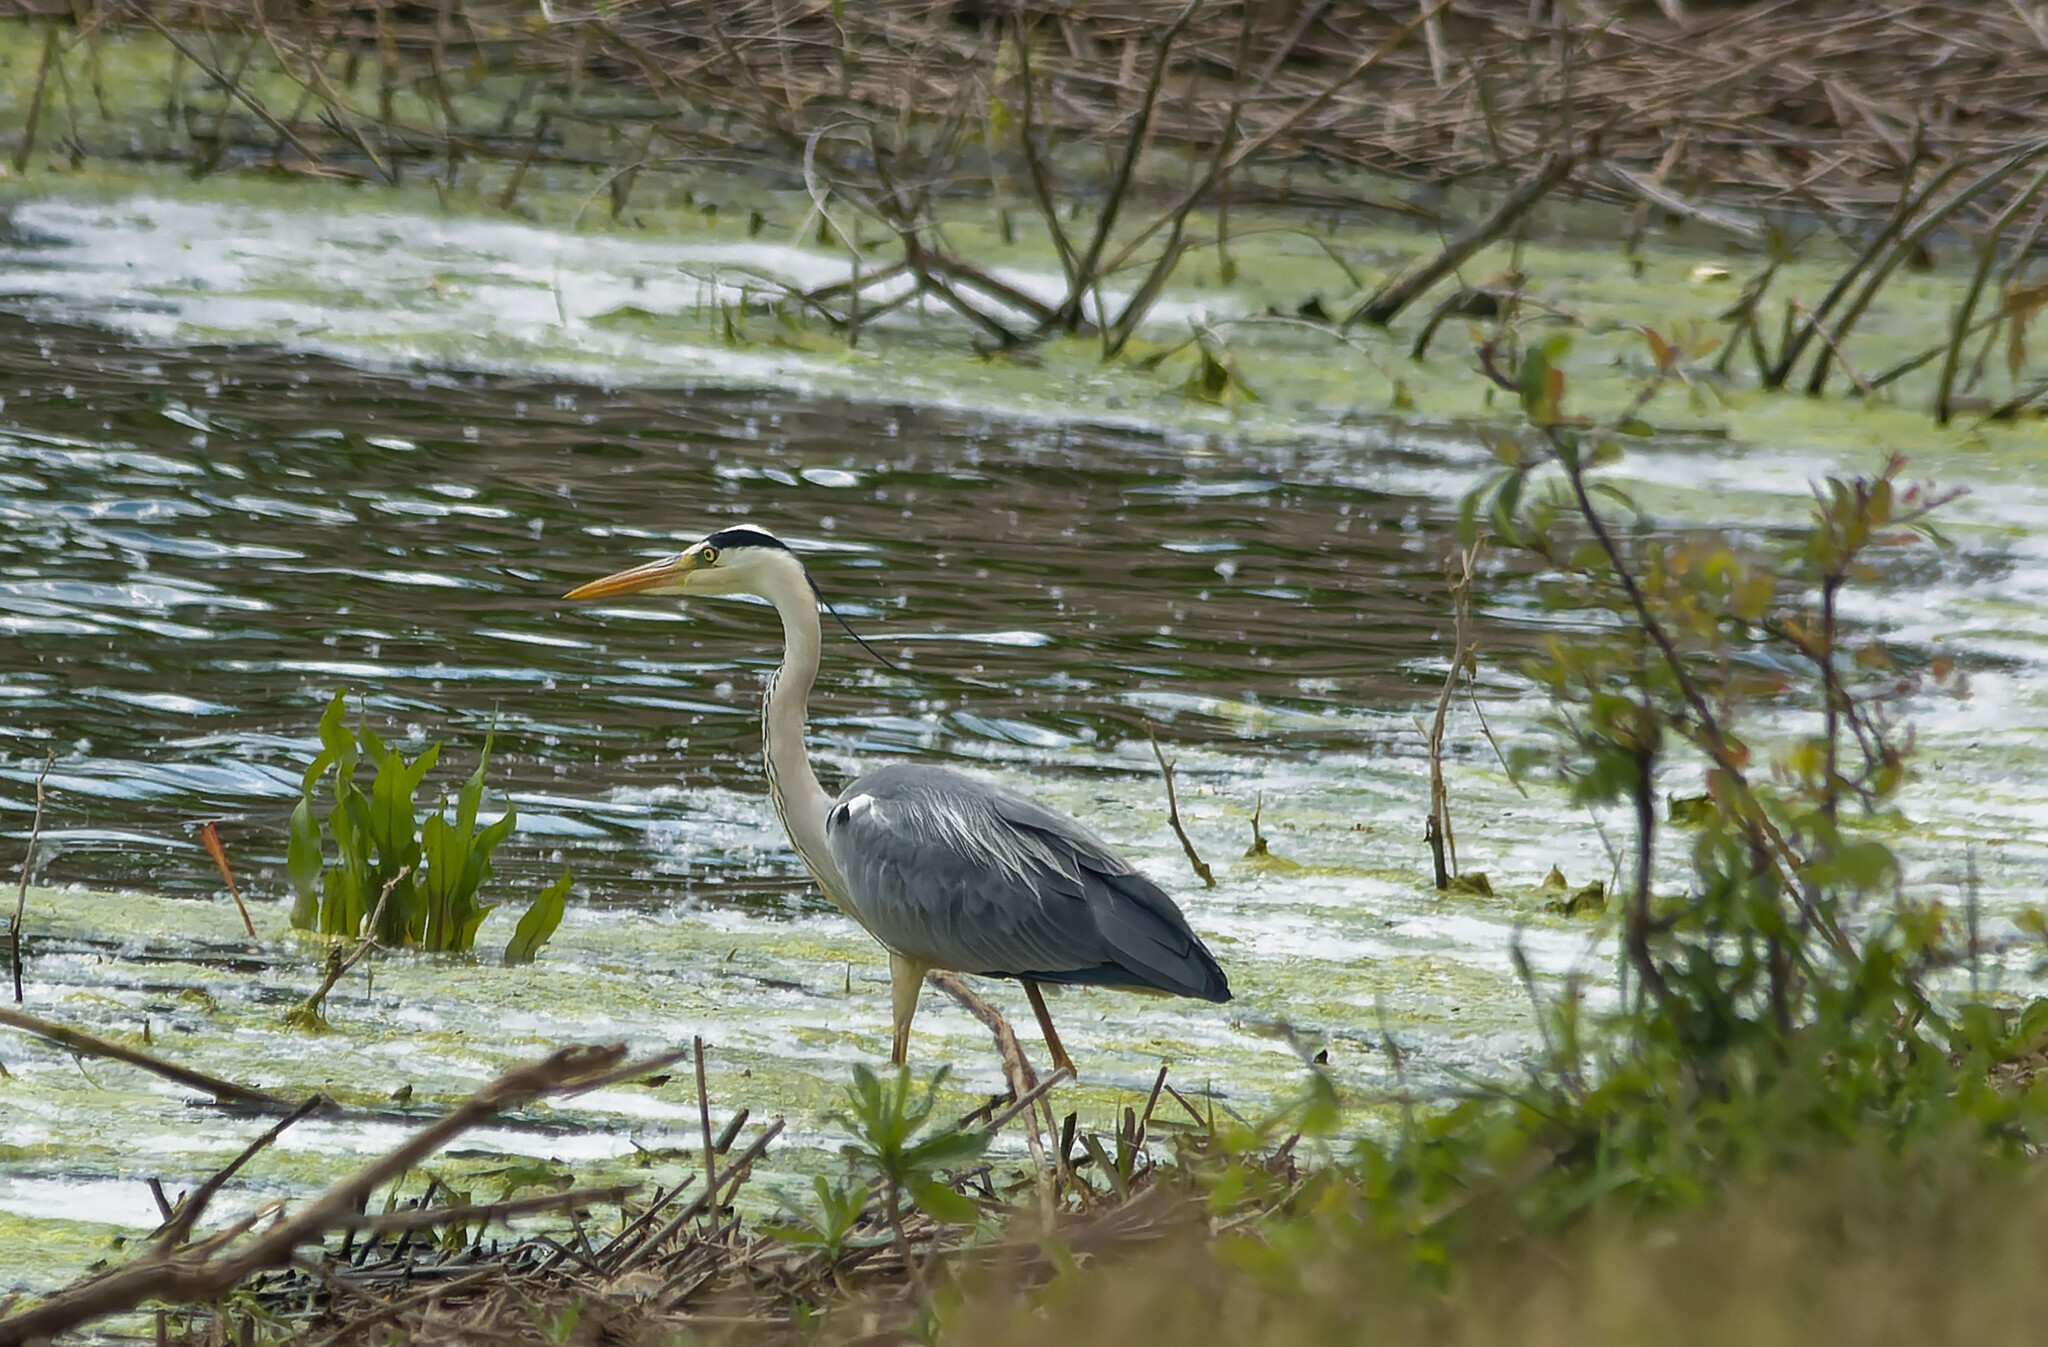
(415, 879)
(1780, 1000)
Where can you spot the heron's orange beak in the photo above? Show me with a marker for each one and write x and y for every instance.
(669, 571)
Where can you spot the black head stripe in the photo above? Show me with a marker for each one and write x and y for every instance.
(745, 535)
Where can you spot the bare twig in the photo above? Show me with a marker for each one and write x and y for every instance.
(1001, 1120)
(1134, 144)
(180, 1223)
(309, 1014)
(1834, 346)
(92, 1045)
(1388, 301)
(1443, 845)
(1202, 870)
(735, 1174)
(28, 858)
(1960, 333)
(199, 1272)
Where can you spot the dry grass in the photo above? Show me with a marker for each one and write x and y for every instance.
(1131, 128)
(1828, 105)
(1846, 1256)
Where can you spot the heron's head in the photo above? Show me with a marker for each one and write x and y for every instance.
(743, 560)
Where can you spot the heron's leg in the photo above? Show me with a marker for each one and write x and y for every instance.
(906, 980)
(1060, 1060)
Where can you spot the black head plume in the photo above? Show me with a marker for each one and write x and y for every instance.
(879, 656)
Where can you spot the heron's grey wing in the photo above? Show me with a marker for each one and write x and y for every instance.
(969, 876)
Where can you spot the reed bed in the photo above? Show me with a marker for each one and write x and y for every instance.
(1126, 132)
(1826, 106)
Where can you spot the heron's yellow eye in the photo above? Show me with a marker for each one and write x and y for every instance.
(707, 556)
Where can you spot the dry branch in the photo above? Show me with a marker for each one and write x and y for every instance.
(183, 1274)
(1201, 867)
(1397, 294)
(178, 1223)
(28, 858)
(92, 1045)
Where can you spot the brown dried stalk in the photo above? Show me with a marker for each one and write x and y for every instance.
(35, 832)
(1443, 844)
(186, 1273)
(1201, 867)
(92, 1045)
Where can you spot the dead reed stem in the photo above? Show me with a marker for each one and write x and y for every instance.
(28, 857)
(1201, 867)
(704, 1119)
(1443, 845)
(92, 1045)
(309, 1015)
(192, 1272)
(1123, 123)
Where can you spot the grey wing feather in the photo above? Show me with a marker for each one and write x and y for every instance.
(968, 876)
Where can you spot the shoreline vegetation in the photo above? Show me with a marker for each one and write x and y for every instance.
(1804, 1122)
(1118, 140)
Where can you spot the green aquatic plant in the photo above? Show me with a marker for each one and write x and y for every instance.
(414, 879)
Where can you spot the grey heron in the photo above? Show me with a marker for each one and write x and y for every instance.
(944, 870)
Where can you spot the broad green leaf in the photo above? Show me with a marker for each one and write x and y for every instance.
(1504, 503)
(942, 1204)
(948, 1148)
(302, 864)
(538, 922)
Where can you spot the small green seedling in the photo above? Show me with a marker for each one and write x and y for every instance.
(886, 1115)
(830, 1225)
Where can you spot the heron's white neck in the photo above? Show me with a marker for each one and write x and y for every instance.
(793, 787)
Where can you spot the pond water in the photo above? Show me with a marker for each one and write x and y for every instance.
(200, 544)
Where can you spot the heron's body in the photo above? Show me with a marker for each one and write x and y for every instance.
(959, 874)
(945, 870)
